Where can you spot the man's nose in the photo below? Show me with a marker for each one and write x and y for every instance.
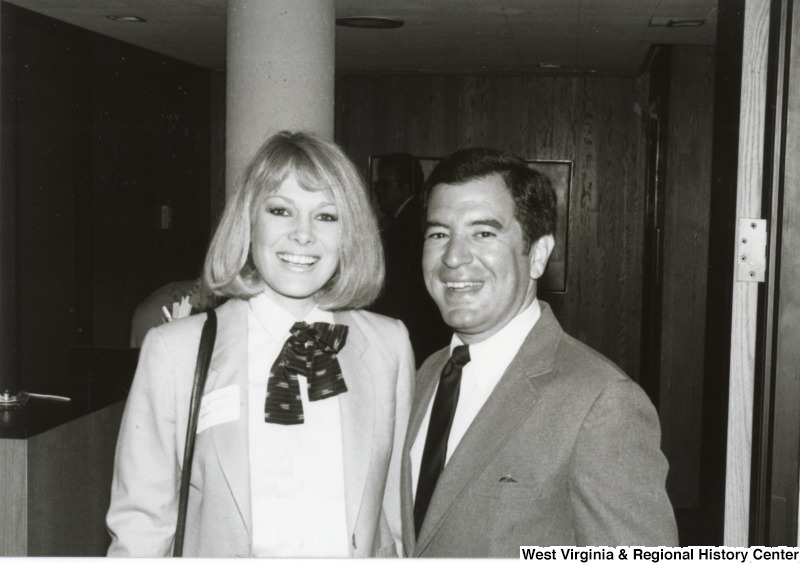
(457, 252)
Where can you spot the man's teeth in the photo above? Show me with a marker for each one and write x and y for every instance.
(463, 285)
(298, 259)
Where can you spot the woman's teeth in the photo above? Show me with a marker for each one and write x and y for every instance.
(298, 259)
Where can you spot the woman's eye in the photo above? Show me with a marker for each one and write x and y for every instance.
(485, 234)
(328, 217)
(279, 211)
(435, 235)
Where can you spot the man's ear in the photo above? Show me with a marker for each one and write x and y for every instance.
(540, 253)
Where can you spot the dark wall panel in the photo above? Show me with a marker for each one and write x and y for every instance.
(49, 157)
(107, 134)
(686, 232)
(151, 148)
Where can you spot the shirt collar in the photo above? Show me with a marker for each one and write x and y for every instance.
(497, 351)
(277, 321)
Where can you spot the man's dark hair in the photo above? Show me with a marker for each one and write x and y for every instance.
(406, 168)
(533, 194)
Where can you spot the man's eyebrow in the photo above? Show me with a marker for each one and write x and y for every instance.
(431, 224)
(494, 223)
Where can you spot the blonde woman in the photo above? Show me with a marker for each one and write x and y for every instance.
(285, 465)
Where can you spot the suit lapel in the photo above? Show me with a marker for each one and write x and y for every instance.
(229, 367)
(426, 382)
(357, 409)
(516, 395)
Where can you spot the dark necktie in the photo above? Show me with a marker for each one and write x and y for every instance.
(442, 413)
(310, 351)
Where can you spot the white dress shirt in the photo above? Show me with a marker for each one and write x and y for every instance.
(296, 471)
(489, 360)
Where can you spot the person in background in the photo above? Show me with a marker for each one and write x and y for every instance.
(520, 435)
(307, 399)
(160, 306)
(398, 186)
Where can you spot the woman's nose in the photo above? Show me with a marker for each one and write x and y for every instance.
(303, 231)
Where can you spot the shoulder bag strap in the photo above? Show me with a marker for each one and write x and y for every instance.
(200, 374)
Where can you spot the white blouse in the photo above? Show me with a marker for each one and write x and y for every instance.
(297, 471)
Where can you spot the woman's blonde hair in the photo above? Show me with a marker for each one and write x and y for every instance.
(317, 164)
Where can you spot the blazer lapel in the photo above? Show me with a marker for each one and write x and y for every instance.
(229, 367)
(357, 409)
(511, 402)
(427, 380)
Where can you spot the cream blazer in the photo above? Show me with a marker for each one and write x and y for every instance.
(378, 367)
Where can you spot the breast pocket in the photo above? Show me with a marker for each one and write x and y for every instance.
(520, 513)
(507, 487)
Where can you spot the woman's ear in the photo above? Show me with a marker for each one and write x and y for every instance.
(540, 253)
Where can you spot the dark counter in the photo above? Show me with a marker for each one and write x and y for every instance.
(96, 378)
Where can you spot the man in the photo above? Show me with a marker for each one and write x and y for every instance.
(398, 184)
(519, 434)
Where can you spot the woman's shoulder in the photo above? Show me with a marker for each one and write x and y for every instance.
(188, 329)
(178, 331)
(376, 321)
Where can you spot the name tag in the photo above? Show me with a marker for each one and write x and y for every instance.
(219, 406)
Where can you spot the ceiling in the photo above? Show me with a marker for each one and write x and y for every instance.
(609, 37)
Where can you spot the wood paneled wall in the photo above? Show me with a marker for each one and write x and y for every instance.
(686, 232)
(595, 122)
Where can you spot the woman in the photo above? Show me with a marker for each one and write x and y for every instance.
(275, 473)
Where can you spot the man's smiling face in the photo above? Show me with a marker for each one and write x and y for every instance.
(474, 260)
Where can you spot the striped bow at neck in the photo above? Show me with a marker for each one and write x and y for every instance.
(310, 351)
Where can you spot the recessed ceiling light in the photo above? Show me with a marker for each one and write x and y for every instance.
(127, 19)
(370, 22)
(549, 65)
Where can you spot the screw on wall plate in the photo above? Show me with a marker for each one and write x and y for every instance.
(753, 225)
(743, 257)
(751, 274)
(744, 241)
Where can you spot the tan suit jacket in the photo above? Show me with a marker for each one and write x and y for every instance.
(377, 363)
(564, 452)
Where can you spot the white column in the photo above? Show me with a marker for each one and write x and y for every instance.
(280, 74)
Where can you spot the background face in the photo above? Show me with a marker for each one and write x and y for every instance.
(473, 259)
(392, 189)
(295, 243)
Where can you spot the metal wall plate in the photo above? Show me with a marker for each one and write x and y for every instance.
(751, 250)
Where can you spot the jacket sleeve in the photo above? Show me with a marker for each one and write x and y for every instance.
(143, 511)
(404, 394)
(618, 473)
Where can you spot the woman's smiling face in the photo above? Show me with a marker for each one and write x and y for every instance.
(295, 243)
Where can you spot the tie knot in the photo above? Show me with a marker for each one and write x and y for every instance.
(460, 356)
(303, 333)
(458, 360)
(322, 336)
